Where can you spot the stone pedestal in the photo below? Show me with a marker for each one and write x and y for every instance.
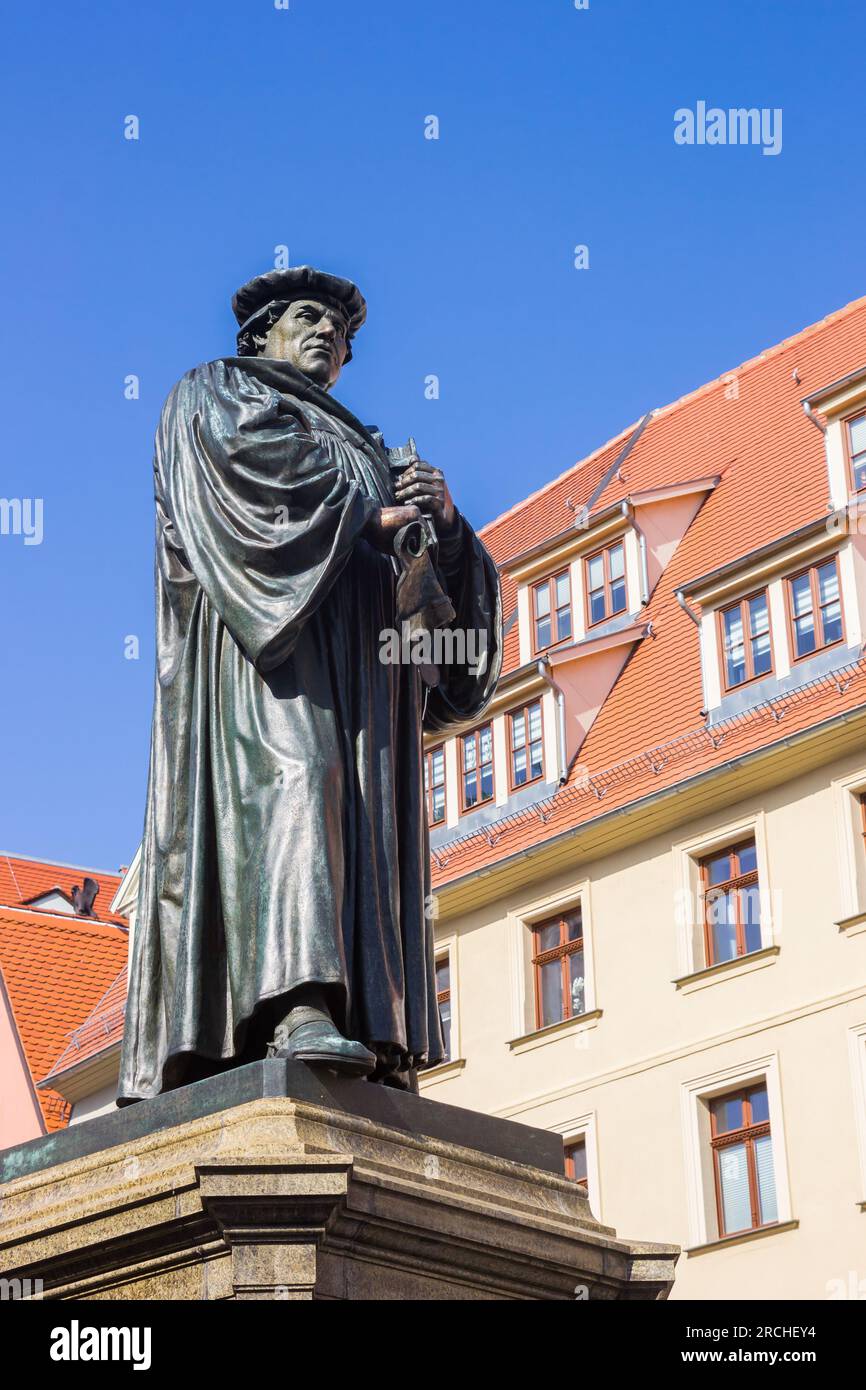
(280, 1181)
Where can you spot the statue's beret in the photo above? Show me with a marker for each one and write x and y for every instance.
(298, 282)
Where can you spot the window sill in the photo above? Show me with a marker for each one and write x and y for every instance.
(852, 926)
(442, 1072)
(554, 1031)
(741, 1238)
(726, 969)
(515, 787)
(825, 647)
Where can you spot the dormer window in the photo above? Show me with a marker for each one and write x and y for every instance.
(527, 745)
(605, 584)
(476, 781)
(799, 601)
(551, 612)
(855, 446)
(746, 643)
(815, 608)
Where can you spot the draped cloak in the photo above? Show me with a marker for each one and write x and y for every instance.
(285, 835)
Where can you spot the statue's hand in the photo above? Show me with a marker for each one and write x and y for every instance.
(425, 485)
(384, 524)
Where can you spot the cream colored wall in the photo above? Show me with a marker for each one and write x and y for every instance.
(628, 1068)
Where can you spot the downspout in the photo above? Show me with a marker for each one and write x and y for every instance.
(681, 600)
(812, 418)
(544, 671)
(629, 513)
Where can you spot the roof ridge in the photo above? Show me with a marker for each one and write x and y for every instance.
(572, 468)
(750, 362)
(58, 864)
(759, 358)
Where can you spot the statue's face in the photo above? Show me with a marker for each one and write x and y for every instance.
(313, 337)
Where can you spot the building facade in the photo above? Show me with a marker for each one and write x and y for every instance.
(59, 957)
(650, 857)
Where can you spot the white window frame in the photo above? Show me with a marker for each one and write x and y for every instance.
(573, 561)
(585, 1127)
(521, 921)
(687, 880)
(694, 1095)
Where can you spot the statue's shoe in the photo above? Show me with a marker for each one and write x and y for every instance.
(322, 1044)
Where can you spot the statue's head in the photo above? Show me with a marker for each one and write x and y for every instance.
(302, 316)
(313, 336)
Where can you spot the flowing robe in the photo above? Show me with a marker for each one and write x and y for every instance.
(285, 835)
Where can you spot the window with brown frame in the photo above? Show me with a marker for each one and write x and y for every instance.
(551, 611)
(746, 643)
(443, 1000)
(732, 903)
(815, 608)
(742, 1148)
(855, 449)
(476, 777)
(575, 1163)
(604, 576)
(434, 785)
(526, 745)
(558, 968)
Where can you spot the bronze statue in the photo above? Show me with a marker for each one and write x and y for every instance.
(284, 900)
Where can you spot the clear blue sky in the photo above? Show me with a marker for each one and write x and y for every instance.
(261, 127)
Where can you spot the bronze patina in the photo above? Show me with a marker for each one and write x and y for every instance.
(284, 906)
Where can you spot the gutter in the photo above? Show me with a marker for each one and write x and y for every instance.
(55, 1080)
(833, 388)
(543, 670)
(752, 557)
(655, 798)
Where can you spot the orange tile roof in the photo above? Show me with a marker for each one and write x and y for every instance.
(56, 970)
(102, 1028)
(22, 879)
(552, 508)
(750, 428)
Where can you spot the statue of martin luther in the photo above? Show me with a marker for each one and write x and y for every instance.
(285, 865)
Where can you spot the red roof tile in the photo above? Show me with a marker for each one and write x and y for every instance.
(750, 428)
(23, 879)
(102, 1028)
(56, 970)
